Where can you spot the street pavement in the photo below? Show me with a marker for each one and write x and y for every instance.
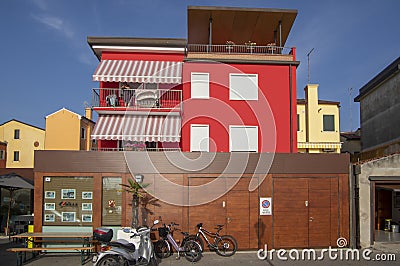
(211, 259)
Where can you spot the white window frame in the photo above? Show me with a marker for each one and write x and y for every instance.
(191, 137)
(16, 154)
(199, 93)
(236, 96)
(231, 141)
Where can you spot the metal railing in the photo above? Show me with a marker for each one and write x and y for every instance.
(139, 98)
(130, 149)
(238, 49)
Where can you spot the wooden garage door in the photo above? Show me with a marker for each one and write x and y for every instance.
(305, 210)
(290, 215)
(238, 217)
(231, 210)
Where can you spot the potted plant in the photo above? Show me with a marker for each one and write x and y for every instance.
(137, 190)
(229, 45)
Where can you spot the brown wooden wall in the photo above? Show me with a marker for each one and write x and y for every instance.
(327, 191)
(239, 209)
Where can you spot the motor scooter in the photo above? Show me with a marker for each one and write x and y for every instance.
(124, 252)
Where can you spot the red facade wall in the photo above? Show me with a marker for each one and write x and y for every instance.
(271, 113)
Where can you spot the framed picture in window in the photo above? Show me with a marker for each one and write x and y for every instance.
(87, 195)
(68, 216)
(86, 218)
(68, 193)
(49, 194)
(49, 206)
(86, 206)
(49, 217)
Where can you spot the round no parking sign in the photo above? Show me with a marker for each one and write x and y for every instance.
(265, 206)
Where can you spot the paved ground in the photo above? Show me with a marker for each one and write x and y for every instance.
(209, 259)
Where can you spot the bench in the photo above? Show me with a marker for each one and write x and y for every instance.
(21, 252)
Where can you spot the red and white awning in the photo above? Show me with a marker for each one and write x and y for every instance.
(139, 71)
(138, 128)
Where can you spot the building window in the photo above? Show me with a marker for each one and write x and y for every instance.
(83, 133)
(298, 122)
(243, 138)
(112, 201)
(67, 199)
(329, 122)
(243, 86)
(2, 155)
(16, 156)
(199, 85)
(199, 138)
(16, 133)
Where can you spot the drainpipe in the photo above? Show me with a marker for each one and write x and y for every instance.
(210, 34)
(355, 206)
(280, 33)
(291, 108)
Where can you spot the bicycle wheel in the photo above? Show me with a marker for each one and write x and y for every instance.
(226, 246)
(197, 239)
(192, 251)
(162, 249)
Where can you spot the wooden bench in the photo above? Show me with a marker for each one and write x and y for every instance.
(21, 252)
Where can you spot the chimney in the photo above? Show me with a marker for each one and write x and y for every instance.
(312, 117)
(88, 113)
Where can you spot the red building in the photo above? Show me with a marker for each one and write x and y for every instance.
(231, 86)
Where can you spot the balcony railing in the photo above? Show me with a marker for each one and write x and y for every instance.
(137, 99)
(130, 149)
(239, 49)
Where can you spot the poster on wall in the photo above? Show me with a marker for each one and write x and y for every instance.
(266, 206)
(49, 217)
(50, 195)
(68, 193)
(68, 216)
(86, 218)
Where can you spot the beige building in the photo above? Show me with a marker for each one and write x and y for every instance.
(22, 140)
(317, 123)
(66, 130)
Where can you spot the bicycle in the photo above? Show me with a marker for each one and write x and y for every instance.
(225, 245)
(191, 249)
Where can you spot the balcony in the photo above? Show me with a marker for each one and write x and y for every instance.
(241, 52)
(160, 99)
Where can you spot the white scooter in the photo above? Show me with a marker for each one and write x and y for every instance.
(138, 251)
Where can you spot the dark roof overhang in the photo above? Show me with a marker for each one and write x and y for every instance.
(390, 70)
(96, 43)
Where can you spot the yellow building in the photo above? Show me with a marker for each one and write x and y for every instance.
(318, 129)
(22, 140)
(66, 130)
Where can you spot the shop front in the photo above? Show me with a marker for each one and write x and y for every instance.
(301, 201)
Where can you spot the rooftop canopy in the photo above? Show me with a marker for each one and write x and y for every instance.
(239, 25)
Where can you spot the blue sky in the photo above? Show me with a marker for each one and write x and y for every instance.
(46, 63)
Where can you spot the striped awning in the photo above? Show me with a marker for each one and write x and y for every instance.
(138, 128)
(139, 71)
(319, 145)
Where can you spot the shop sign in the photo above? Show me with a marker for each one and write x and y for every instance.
(67, 204)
